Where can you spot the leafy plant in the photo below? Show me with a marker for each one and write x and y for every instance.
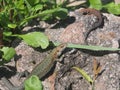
(109, 7)
(96, 72)
(112, 8)
(15, 14)
(97, 4)
(84, 74)
(35, 39)
(33, 83)
(7, 54)
(89, 47)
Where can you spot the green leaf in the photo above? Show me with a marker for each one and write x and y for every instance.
(97, 4)
(8, 53)
(19, 4)
(33, 83)
(84, 74)
(46, 17)
(11, 25)
(6, 33)
(113, 8)
(44, 1)
(89, 47)
(61, 13)
(36, 39)
(33, 2)
(45, 13)
(37, 7)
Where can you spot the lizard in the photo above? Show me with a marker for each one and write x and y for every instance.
(41, 69)
(90, 11)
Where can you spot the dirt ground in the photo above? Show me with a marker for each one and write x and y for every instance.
(71, 30)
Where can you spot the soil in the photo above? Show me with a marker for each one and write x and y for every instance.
(71, 30)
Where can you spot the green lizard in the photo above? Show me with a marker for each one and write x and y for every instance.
(41, 69)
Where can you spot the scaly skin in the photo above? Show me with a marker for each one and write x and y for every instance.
(41, 69)
(44, 67)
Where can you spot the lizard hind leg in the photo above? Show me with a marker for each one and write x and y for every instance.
(23, 74)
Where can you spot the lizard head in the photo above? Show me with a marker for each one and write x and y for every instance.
(58, 50)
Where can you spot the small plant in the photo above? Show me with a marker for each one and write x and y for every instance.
(15, 14)
(84, 74)
(6, 54)
(35, 39)
(96, 72)
(33, 83)
(109, 7)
